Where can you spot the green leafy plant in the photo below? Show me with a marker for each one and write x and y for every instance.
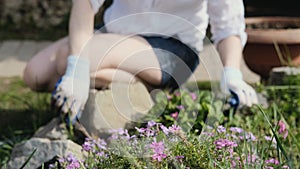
(261, 139)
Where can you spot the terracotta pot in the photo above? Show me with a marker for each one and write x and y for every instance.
(260, 54)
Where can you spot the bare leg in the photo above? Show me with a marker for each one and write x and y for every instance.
(105, 76)
(132, 56)
(47, 66)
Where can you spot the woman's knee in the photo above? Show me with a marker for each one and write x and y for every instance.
(45, 68)
(39, 79)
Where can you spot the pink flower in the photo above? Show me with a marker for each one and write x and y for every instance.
(158, 149)
(285, 134)
(151, 124)
(169, 97)
(233, 163)
(87, 146)
(159, 157)
(140, 130)
(101, 144)
(180, 107)
(251, 136)
(220, 143)
(174, 128)
(193, 96)
(282, 129)
(236, 129)
(149, 133)
(164, 129)
(145, 131)
(174, 115)
(268, 138)
(272, 161)
(179, 157)
(73, 162)
(248, 136)
(251, 159)
(221, 129)
(73, 165)
(177, 93)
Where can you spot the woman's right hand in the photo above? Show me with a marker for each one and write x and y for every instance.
(71, 92)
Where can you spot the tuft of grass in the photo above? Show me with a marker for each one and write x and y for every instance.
(22, 112)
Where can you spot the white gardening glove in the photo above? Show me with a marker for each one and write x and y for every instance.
(232, 82)
(72, 90)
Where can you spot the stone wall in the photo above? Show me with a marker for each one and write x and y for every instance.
(31, 19)
(34, 13)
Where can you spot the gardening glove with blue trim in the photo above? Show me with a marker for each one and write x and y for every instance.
(72, 90)
(232, 83)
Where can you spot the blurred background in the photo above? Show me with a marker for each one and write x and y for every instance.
(47, 19)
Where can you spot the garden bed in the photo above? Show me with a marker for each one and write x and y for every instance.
(190, 132)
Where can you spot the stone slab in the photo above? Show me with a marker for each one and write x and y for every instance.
(45, 150)
(9, 49)
(27, 50)
(15, 54)
(114, 108)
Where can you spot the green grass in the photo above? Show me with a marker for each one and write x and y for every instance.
(22, 112)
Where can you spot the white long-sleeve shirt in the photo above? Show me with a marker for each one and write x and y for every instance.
(185, 19)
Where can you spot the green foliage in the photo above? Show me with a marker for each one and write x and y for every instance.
(292, 80)
(284, 102)
(185, 108)
(22, 112)
(270, 136)
(253, 137)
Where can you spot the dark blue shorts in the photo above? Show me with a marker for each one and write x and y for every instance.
(177, 60)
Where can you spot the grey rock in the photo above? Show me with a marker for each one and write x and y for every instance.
(45, 150)
(54, 130)
(117, 107)
(279, 74)
(262, 100)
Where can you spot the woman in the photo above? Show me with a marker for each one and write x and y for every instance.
(152, 41)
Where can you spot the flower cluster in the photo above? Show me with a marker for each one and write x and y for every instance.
(154, 128)
(159, 150)
(95, 146)
(224, 143)
(165, 146)
(70, 162)
(228, 144)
